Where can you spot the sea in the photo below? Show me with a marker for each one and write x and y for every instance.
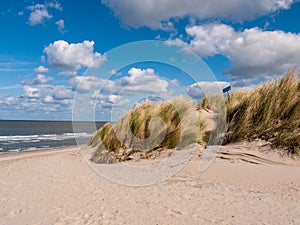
(20, 136)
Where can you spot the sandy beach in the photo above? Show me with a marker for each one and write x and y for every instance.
(59, 187)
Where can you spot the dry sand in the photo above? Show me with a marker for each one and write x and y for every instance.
(247, 184)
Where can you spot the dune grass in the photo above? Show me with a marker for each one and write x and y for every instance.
(270, 112)
(205, 103)
(170, 124)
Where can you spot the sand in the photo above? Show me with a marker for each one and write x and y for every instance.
(247, 184)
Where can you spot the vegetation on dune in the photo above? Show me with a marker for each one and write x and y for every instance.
(205, 103)
(174, 124)
(270, 112)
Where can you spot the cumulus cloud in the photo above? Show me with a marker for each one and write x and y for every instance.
(10, 100)
(48, 99)
(155, 13)
(54, 4)
(139, 80)
(61, 26)
(31, 92)
(97, 95)
(68, 73)
(252, 52)
(37, 100)
(41, 91)
(42, 79)
(72, 57)
(199, 89)
(108, 101)
(39, 12)
(62, 92)
(83, 84)
(142, 80)
(41, 69)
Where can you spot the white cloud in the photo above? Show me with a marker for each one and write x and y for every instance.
(40, 12)
(108, 101)
(62, 92)
(199, 89)
(68, 73)
(155, 13)
(142, 80)
(31, 92)
(84, 84)
(61, 26)
(65, 56)
(42, 79)
(55, 5)
(139, 80)
(114, 98)
(41, 91)
(252, 52)
(48, 99)
(41, 69)
(37, 100)
(10, 100)
(58, 101)
(97, 95)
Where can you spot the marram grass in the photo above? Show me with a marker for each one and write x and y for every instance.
(270, 112)
(174, 124)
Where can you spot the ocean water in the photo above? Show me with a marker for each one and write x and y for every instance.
(18, 136)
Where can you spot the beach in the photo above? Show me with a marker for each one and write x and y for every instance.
(57, 186)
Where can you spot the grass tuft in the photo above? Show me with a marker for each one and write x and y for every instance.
(174, 124)
(270, 112)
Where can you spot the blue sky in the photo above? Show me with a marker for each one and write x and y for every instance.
(54, 52)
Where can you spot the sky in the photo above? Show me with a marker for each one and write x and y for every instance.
(96, 59)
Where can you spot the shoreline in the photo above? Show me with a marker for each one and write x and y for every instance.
(38, 152)
(36, 149)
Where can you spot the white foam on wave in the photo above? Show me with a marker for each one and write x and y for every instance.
(13, 139)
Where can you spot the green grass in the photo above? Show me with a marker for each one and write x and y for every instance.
(174, 124)
(270, 112)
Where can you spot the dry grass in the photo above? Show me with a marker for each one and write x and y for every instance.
(270, 112)
(148, 127)
(205, 103)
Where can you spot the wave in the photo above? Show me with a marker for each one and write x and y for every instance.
(42, 137)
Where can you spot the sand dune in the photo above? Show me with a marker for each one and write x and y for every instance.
(256, 152)
(58, 187)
